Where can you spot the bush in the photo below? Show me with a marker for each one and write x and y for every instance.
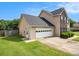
(64, 35)
(71, 34)
(67, 34)
(20, 36)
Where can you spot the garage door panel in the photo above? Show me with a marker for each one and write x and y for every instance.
(43, 34)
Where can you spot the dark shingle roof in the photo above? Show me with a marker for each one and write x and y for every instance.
(58, 11)
(50, 24)
(35, 20)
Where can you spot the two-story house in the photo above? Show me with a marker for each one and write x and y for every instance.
(47, 24)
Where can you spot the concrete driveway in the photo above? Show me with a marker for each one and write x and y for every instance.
(66, 45)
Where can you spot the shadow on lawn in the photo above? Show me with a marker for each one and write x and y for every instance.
(13, 38)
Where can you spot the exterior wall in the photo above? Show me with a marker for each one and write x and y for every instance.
(75, 27)
(23, 27)
(25, 30)
(64, 25)
(55, 20)
(32, 34)
(44, 29)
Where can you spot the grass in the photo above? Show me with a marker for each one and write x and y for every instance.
(14, 46)
(76, 39)
(77, 34)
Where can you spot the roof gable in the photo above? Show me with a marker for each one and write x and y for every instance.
(55, 12)
(58, 11)
(35, 20)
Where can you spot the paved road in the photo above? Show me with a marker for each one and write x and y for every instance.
(65, 45)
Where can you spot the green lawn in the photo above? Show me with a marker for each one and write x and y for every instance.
(14, 46)
(77, 34)
(76, 39)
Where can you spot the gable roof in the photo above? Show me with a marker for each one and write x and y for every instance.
(55, 12)
(58, 11)
(35, 21)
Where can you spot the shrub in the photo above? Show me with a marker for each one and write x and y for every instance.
(71, 34)
(20, 36)
(66, 34)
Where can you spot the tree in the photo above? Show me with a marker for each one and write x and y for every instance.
(3, 24)
(9, 24)
(72, 22)
(14, 24)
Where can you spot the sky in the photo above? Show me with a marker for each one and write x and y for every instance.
(13, 10)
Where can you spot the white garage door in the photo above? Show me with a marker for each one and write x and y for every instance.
(44, 32)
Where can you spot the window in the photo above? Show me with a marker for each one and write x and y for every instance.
(65, 20)
(36, 31)
(61, 17)
(43, 30)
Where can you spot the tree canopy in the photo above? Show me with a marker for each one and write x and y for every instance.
(9, 24)
(72, 22)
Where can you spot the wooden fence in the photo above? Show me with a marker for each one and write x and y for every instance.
(8, 32)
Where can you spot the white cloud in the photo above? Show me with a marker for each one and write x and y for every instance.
(36, 10)
(32, 11)
(71, 7)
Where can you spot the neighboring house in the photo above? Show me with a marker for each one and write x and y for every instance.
(75, 27)
(47, 24)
